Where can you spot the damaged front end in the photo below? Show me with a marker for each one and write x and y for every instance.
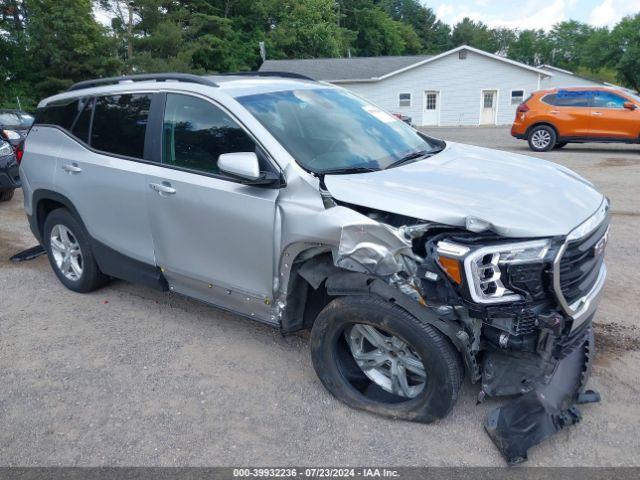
(519, 311)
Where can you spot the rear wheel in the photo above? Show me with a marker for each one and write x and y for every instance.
(70, 253)
(6, 195)
(542, 138)
(560, 145)
(375, 356)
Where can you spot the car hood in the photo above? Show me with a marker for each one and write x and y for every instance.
(516, 195)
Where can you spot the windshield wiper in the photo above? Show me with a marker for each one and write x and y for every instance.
(410, 157)
(348, 170)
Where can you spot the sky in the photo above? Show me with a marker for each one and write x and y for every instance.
(522, 14)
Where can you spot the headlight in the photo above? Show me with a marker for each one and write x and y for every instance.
(11, 135)
(484, 267)
(5, 149)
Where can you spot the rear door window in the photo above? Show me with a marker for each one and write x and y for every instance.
(569, 98)
(196, 133)
(120, 124)
(61, 113)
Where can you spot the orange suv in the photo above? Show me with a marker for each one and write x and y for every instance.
(552, 118)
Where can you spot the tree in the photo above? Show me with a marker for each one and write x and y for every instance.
(567, 40)
(531, 47)
(308, 29)
(626, 55)
(377, 33)
(503, 38)
(47, 44)
(433, 34)
(475, 34)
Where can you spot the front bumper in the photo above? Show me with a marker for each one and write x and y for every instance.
(9, 174)
(529, 419)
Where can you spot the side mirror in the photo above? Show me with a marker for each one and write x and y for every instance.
(630, 105)
(242, 164)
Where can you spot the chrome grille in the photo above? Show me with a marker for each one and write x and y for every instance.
(580, 263)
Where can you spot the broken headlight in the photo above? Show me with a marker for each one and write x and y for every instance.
(485, 268)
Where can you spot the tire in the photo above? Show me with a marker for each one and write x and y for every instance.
(6, 195)
(340, 374)
(560, 145)
(90, 278)
(542, 138)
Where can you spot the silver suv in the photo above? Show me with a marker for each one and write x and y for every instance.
(414, 262)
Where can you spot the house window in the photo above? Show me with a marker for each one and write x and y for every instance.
(404, 100)
(517, 97)
(462, 55)
(431, 101)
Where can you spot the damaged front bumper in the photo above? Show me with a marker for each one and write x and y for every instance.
(551, 403)
(533, 342)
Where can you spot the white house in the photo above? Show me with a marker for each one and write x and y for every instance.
(463, 86)
(565, 78)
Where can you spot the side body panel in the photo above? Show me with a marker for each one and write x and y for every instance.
(109, 194)
(615, 123)
(38, 167)
(569, 121)
(213, 233)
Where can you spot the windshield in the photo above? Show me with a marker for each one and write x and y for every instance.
(329, 130)
(15, 120)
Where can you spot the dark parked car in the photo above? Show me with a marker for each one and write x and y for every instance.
(14, 125)
(9, 177)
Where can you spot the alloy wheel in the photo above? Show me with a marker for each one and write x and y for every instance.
(387, 360)
(541, 139)
(66, 252)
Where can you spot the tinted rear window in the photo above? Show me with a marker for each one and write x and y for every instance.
(120, 123)
(61, 113)
(569, 98)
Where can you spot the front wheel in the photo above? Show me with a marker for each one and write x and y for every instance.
(375, 356)
(542, 138)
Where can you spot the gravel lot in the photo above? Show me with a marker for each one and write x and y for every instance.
(128, 376)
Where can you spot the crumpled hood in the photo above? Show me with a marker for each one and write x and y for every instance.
(518, 196)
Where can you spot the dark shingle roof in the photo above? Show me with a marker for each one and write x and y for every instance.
(355, 68)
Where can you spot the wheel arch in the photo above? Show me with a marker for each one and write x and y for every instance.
(44, 202)
(545, 123)
(316, 281)
(111, 262)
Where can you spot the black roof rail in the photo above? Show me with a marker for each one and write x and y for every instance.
(270, 74)
(158, 77)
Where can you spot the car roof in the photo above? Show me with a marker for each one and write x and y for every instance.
(234, 85)
(577, 89)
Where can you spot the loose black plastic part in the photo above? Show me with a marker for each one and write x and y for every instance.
(268, 74)
(527, 420)
(29, 254)
(158, 77)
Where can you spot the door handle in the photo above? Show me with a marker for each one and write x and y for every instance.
(71, 168)
(596, 113)
(554, 111)
(163, 188)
